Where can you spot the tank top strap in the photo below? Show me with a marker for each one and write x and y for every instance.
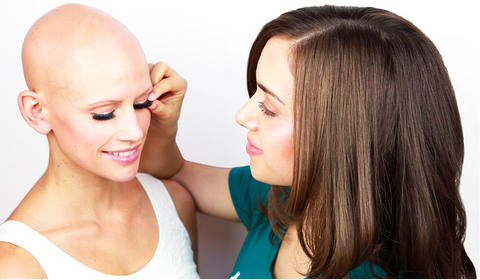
(160, 198)
(174, 239)
(39, 246)
(172, 259)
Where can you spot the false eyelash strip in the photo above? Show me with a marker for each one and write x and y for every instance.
(103, 117)
(143, 105)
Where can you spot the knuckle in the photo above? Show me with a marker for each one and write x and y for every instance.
(163, 66)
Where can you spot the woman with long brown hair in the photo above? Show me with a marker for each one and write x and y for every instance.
(356, 152)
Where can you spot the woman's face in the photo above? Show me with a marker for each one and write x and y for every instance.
(268, 116)
(95, 127)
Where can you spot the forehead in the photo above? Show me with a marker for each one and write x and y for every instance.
(93, 75)
(273, 68)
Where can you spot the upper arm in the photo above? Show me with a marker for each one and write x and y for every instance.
(186, 211)
(209, 188)
(16, 262)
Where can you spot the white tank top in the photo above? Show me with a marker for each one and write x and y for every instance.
(173, 257)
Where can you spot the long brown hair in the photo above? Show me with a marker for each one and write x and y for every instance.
(378, 145)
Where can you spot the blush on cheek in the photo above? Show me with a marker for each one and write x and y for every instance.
(279, 156)
(285, 140)
(288, 160)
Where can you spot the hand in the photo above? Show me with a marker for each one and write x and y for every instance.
(161, 156)
(169, 89)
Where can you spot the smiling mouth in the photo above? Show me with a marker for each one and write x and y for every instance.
(122, 154)
(125, 156)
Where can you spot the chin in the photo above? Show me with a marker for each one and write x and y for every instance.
(265, 175)
(125, 179)
(122, 176)
(259, 173)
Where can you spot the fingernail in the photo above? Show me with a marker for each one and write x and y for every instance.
(153, 106)
(151, 96)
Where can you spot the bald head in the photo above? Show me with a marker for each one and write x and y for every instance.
(74, 43)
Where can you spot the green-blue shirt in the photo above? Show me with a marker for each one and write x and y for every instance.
(258, 253)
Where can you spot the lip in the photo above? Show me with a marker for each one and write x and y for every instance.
(252, 150)
(125, 159)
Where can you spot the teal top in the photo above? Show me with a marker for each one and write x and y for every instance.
(256, 257)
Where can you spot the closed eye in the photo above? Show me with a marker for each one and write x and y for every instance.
(103, 117)
(265, 110)
(143, 105)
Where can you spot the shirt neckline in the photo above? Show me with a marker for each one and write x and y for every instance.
(273, 253)
(88, 268)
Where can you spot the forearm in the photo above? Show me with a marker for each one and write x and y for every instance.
(161, 156)
(208, 186)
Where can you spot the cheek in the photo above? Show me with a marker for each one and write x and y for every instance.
(279, 157)
(81, 133)
(72, 126)
(144, 117)
(281, 145)
(286, 146)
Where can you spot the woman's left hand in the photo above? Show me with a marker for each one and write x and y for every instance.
(168, 91)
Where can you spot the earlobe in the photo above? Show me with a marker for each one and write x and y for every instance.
(32, 111)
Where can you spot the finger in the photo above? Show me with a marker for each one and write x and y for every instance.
(150, 66)
(157, 72)
(175, 87)
(160, 71)
(160, 110)
(159, 89)
(153, 106)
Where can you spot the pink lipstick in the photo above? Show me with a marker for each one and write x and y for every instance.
(125, 156)
(252, 150)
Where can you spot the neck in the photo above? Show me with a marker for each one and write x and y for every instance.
(81, 193)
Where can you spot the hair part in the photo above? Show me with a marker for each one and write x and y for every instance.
(378, 145)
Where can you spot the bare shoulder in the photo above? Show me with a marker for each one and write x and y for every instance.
(16, 262)
(181, 198)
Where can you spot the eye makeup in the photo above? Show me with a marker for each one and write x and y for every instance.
(108, 116)
(143, 105)
(103, 117)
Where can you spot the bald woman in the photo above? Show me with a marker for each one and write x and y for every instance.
(91, 215)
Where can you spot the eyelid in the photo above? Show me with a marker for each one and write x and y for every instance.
(265, 110)
(108, 116)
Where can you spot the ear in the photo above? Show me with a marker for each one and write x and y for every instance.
(32, 111)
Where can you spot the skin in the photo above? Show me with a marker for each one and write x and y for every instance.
(92, 202)
(270, 130)
(268, 116)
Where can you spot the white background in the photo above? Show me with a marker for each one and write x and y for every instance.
(208, 42)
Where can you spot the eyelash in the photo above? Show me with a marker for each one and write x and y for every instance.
(143, 105)
(109, 116)
(265, 110)
(103, 117)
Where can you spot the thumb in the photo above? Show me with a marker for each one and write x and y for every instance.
(157, 107)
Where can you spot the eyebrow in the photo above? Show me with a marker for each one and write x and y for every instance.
(116, 101)
(266, 90)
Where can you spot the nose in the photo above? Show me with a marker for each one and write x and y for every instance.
(131, 130)
(247, 116)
